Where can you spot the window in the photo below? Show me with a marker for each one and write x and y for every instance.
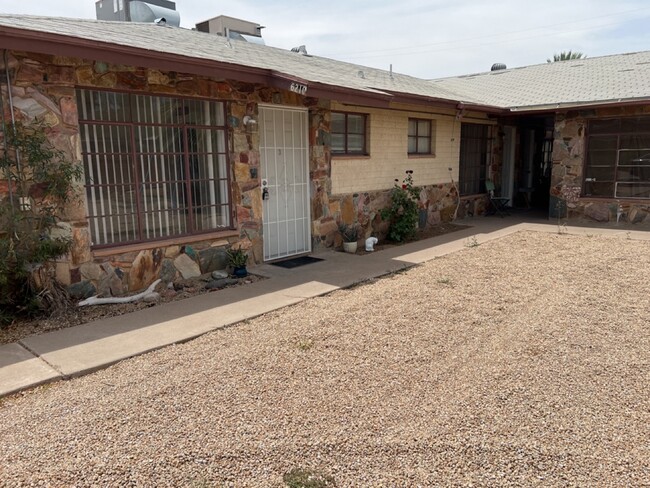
(154, 166)
(473, 158)
(348, 133)
(419, 137)
(618, 158)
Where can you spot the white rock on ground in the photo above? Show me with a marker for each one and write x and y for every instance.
(520, 362)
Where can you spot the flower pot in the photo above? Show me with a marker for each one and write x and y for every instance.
(350, 247)
(240, 272)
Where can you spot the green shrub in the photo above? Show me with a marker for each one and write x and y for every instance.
(402, 214)
(41, 183)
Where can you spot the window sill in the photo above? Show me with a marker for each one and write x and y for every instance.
(350, 156)
(421, 156)
(174, 241)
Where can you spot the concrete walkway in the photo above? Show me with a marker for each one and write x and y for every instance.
(82, 349)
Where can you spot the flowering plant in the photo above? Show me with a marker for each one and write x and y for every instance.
(402, 214)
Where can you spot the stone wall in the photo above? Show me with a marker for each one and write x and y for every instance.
(567, 176)
(43, 87)
(437, 203)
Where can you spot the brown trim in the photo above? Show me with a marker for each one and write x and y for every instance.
(350, 156)
(111, 251)
(346, 133)
(454, 104)
(418, 136)
(61, 45)
(421, 156)
(135, 158)
(563, 108)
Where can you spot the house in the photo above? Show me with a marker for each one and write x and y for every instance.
(576, 132)
(191, 143)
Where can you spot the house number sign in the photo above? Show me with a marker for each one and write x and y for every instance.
(298, 88)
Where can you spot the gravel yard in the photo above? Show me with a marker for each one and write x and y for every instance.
(524, 361)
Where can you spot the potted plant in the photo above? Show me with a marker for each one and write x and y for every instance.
(350, 235)
(237, 259)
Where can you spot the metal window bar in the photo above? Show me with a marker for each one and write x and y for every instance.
(107, 186)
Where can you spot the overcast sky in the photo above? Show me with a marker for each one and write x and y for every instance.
(424, 38)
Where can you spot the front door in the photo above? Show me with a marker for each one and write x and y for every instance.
(284, 151)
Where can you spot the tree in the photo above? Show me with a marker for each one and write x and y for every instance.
(40, 183)
(565, 56)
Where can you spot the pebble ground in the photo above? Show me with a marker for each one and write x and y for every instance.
(520, 362)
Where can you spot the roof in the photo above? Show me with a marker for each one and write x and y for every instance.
(151, 41)
(617, 79)
(603, 80)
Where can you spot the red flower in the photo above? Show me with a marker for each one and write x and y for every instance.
(403, 187)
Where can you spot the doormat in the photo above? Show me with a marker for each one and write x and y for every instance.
(296, 262)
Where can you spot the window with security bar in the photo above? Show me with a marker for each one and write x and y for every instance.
(618, 158)
(474, 151)
(155, 166)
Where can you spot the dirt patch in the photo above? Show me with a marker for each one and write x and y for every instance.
(434, 231)
(74, 315)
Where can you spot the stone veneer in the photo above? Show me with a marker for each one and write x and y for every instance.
(43, 87)
(568, 162)
(437, 204)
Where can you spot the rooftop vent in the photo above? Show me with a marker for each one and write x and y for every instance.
(148, 12)
(498, 67)
(300, 49)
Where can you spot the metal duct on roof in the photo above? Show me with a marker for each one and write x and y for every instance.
(253, 39)
(145, 12)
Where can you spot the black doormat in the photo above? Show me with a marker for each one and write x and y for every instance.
(295, 262)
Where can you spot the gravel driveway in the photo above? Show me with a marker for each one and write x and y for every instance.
(523, 362)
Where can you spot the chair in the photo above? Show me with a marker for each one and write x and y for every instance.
(498, 204)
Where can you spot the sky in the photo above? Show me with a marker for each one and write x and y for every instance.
(423, 38)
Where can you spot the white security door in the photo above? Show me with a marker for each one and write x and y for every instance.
(284, 150)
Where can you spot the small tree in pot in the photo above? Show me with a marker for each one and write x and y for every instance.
(350, 235)
(237, 259)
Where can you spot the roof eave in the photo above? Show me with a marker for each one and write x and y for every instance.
(562, 107)
(449, 103)
(61, 45)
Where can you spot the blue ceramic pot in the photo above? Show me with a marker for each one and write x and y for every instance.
(240, 272)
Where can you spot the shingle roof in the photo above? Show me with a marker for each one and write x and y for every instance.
(165, 39)
(606, 79)
(609, 79)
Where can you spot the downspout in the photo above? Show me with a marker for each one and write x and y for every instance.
(13, 119)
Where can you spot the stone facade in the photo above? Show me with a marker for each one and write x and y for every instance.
(44, 87)
(437, 204)
(569, 151)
